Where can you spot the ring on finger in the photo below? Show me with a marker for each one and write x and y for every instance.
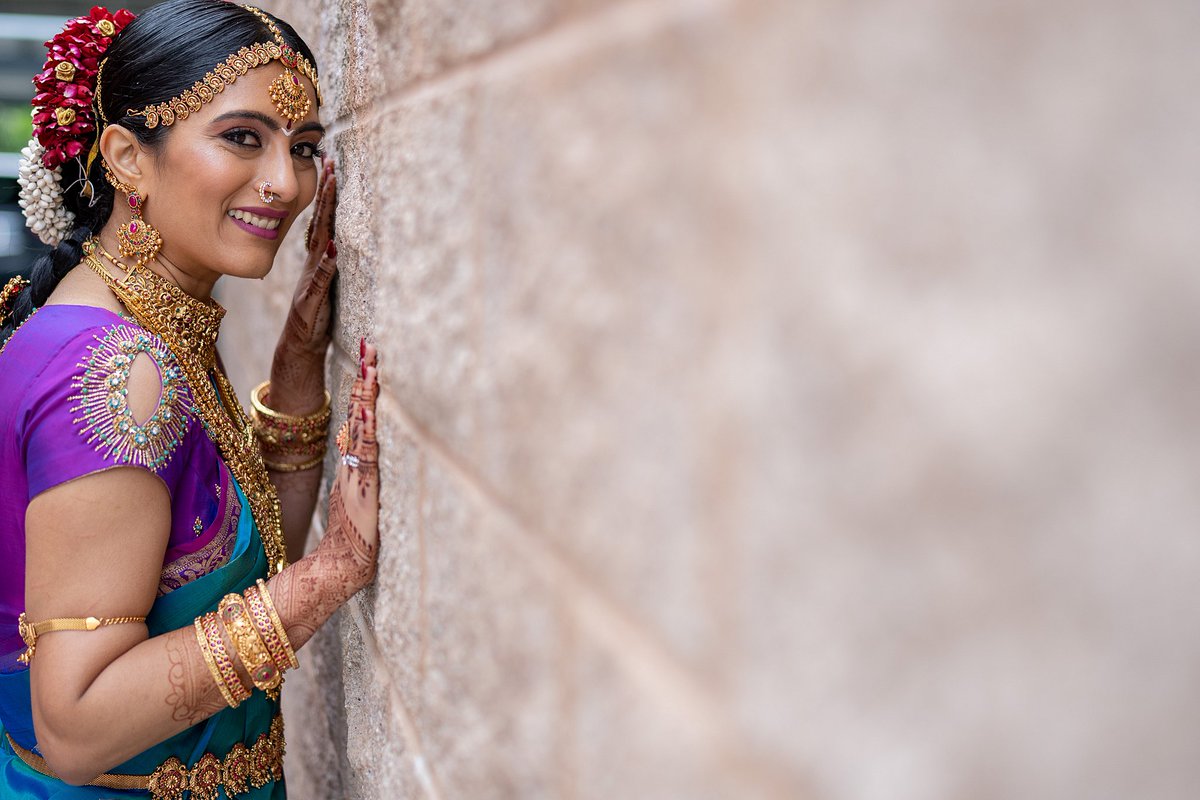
(343, 439)
(350, 461)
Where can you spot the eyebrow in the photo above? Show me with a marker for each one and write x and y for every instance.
(271, 123)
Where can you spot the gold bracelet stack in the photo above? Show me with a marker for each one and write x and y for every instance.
(270, 627)
(286, 433)
(212, 645)
(259, 640)
(249, 645)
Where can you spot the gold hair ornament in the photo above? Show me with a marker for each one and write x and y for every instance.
(14, 287)
(288, 94)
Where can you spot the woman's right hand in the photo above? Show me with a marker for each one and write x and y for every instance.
(354, 499)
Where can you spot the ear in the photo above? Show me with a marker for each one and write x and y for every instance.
(125, 156)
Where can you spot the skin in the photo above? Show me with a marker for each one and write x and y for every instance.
(95, 545)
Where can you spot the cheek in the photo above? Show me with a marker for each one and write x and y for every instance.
(198, 182)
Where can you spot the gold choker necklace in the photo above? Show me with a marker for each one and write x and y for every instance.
(189, 328)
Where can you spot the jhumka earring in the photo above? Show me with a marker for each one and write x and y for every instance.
(136, 239)
(264, 195)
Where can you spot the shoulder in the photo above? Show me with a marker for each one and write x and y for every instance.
(130, 398)
(102, 379)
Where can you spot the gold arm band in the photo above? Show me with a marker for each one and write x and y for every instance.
(275, 467)
(30, 631)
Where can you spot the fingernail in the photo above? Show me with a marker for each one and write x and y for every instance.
(331, 250)
(362, 347)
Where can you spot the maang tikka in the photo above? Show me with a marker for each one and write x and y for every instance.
(136, 239)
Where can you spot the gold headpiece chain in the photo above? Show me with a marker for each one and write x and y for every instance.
(288, 94)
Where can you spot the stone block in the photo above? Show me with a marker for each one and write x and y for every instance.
(491, 720)
(356, 237)
(428, 292)
(425, 38)
(315, 719)
(947, 593)
(394, 606)
(351, 70)
(380, 764)
(606, 248)
(626, 743)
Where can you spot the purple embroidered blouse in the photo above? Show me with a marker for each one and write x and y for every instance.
(65, 416)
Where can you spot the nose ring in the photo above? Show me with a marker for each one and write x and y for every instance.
(264, 195)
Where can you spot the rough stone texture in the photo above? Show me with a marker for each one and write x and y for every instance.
(780, 399)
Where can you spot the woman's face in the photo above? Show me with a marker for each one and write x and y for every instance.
(202, 184)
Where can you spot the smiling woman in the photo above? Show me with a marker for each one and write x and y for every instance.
(147, 607)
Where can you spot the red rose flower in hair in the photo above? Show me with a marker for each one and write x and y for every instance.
(64, 120)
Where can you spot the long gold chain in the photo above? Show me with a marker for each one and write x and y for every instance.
(189, 328)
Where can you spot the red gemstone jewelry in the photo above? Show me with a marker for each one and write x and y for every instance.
(138, 239)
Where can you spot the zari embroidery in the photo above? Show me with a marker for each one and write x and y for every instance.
(102, 400)
(214, 554)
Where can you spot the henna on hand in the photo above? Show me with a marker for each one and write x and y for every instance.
(309, 591)
(308, 322)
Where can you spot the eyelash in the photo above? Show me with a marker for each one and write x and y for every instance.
(317, 150)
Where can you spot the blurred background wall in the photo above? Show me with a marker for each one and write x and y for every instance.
(781, 399)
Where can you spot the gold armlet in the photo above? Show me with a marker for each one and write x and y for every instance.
(30, 631)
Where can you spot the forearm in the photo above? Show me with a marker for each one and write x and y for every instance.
(298, 389)
(156, 689)
(298, 493)
(308, 592)
(163, 685)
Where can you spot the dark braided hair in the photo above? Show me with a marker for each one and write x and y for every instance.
(156, 57)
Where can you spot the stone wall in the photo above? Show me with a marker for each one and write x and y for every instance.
(781, 399)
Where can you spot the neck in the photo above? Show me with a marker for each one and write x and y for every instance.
(163, 265)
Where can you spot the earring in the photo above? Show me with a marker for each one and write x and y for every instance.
(264, 195)
(136, 239)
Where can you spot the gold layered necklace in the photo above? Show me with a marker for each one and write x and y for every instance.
(189, 328)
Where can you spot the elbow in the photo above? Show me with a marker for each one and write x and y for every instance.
(68, 763)
(67, 755)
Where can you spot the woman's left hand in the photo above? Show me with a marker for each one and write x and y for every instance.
(298, 371)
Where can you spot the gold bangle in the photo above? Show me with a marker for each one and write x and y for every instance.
(309, 425)
(30, 631)
(265, 596)
(264, 674)
(229, 676)
(206, 651)
(276, 467)
(276, 641)
(260, 397)
(285, 434)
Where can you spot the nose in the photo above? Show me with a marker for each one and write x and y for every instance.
(280, 170)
